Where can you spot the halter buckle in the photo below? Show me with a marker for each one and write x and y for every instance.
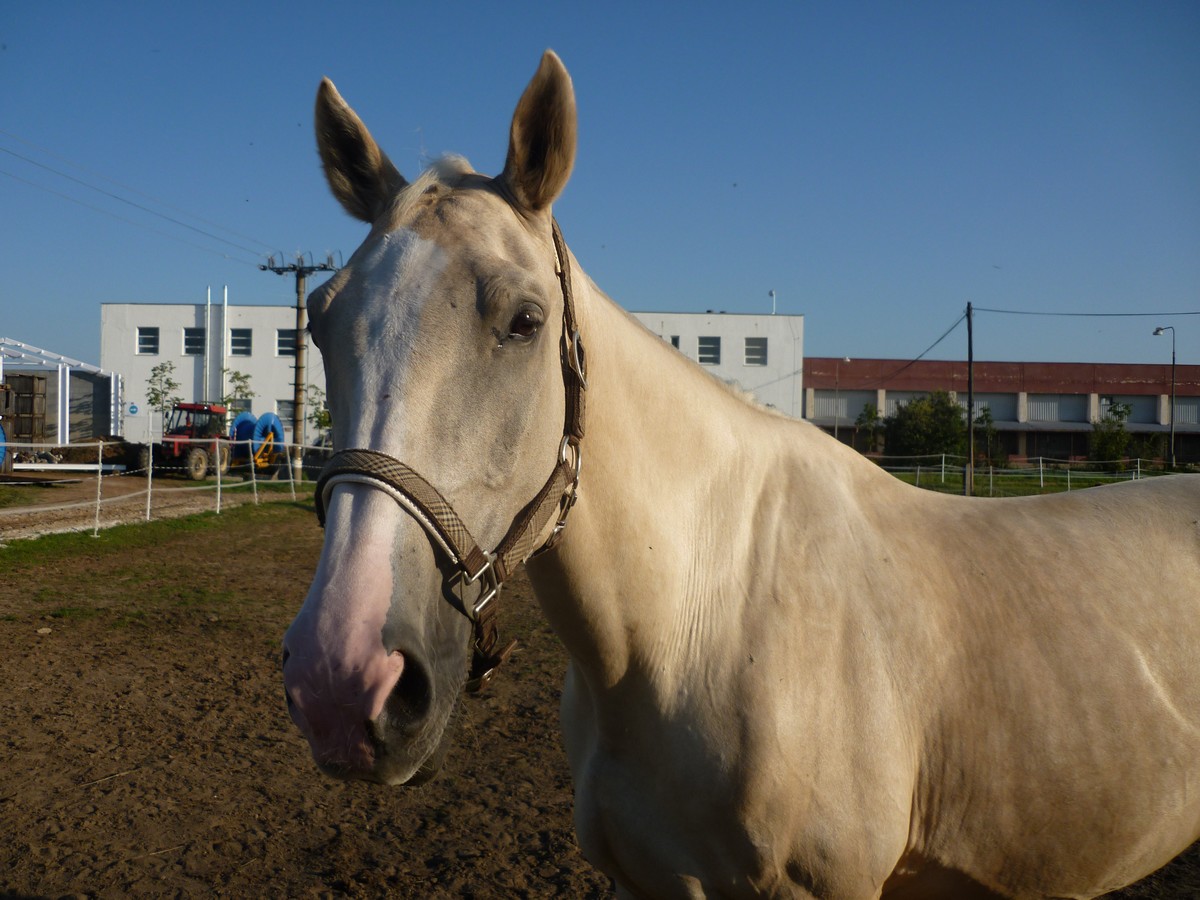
(489, 588)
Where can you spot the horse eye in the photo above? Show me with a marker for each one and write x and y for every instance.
(524, 324)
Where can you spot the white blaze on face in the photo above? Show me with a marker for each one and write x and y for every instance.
(381, 327)
(338, 672)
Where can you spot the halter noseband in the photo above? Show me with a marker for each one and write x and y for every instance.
(470, 564)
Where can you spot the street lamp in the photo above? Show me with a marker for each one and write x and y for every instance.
(1157, 332)
(837, 406)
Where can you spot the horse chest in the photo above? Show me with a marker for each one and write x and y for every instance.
(666, 820)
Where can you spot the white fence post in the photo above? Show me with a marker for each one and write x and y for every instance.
(149, 476)
(253, 470)
(99, 480)
(293, 469)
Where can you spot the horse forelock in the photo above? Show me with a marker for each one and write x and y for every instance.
(449, 171)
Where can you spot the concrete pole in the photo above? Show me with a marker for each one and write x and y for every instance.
(298, 381)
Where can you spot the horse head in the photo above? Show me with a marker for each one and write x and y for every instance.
(443, 349)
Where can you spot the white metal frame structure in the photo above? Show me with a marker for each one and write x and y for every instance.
(19, 355)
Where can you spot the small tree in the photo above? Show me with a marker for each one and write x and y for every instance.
(926, 426)
(161, 387)
(869, 423)
(1110, 440)
(238, 387)
(987, 439)
(318, 412)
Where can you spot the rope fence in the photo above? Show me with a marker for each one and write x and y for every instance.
(47, 488)
(1036, 475)
(90, 486)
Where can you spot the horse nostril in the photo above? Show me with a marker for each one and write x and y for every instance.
(286, 654)
(410, 700)
(287, 695)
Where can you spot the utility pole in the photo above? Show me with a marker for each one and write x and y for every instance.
(302, 271)
(969, 472)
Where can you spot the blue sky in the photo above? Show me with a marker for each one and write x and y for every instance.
(878, 165)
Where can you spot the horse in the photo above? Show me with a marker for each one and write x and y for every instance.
(790, 674)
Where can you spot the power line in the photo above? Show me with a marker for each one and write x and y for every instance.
(135, 191)
(121, 199)
(1086, 315)
(128, 221)
(912, 362)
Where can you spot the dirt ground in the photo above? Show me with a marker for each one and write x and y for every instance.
(146, 749)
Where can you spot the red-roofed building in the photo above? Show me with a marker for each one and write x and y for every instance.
(1038, 409)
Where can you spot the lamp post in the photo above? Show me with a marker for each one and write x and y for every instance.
(837, 405)
(1157, 332)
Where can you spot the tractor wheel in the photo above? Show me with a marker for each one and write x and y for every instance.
(196, 463)
(142, 459)
(223, 458)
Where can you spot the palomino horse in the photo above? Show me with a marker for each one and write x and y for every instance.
(791, 674)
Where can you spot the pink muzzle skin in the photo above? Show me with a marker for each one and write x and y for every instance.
(337, 672)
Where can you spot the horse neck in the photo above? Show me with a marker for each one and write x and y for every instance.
(666, 454)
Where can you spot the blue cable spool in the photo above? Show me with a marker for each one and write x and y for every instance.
(3, 444)
(268, 423)
(241, 430)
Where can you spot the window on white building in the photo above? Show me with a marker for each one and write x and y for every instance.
(675, 341)
(709, 351)
(147, 340)
(285, 341)
(286, 410)
(756, 351)
(193, 342)
(240, 341)
(237, 405)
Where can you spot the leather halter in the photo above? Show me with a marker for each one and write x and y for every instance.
(471, 565)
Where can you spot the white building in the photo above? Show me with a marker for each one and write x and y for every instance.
(205, 342)
(761, 354)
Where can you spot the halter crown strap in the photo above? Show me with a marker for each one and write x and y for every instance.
(434, 513)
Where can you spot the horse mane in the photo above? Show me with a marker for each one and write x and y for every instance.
(734, 390)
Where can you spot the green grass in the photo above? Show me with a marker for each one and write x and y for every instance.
(22, 494)
(74, 612)
(1013, 483)
(42, 551)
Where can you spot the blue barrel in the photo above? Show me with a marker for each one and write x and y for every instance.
(268, 423)
(242, 429)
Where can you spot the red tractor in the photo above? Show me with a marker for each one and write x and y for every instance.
(194, 435)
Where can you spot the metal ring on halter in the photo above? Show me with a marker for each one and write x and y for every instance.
(562, 457)
(576, 358)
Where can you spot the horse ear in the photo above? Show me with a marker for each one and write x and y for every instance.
(541, 145)
(360, 175)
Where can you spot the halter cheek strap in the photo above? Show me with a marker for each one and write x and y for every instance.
(470, 564)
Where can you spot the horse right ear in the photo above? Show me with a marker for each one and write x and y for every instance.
(360, 175)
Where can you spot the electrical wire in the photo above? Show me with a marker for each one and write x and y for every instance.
(1088, 315)
(128, 221)
(135, 191)
(925, 352)
(121, 199)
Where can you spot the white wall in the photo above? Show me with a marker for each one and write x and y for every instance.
(778, 384)
(271, 375)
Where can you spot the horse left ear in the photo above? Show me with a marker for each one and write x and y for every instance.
(541, 145)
